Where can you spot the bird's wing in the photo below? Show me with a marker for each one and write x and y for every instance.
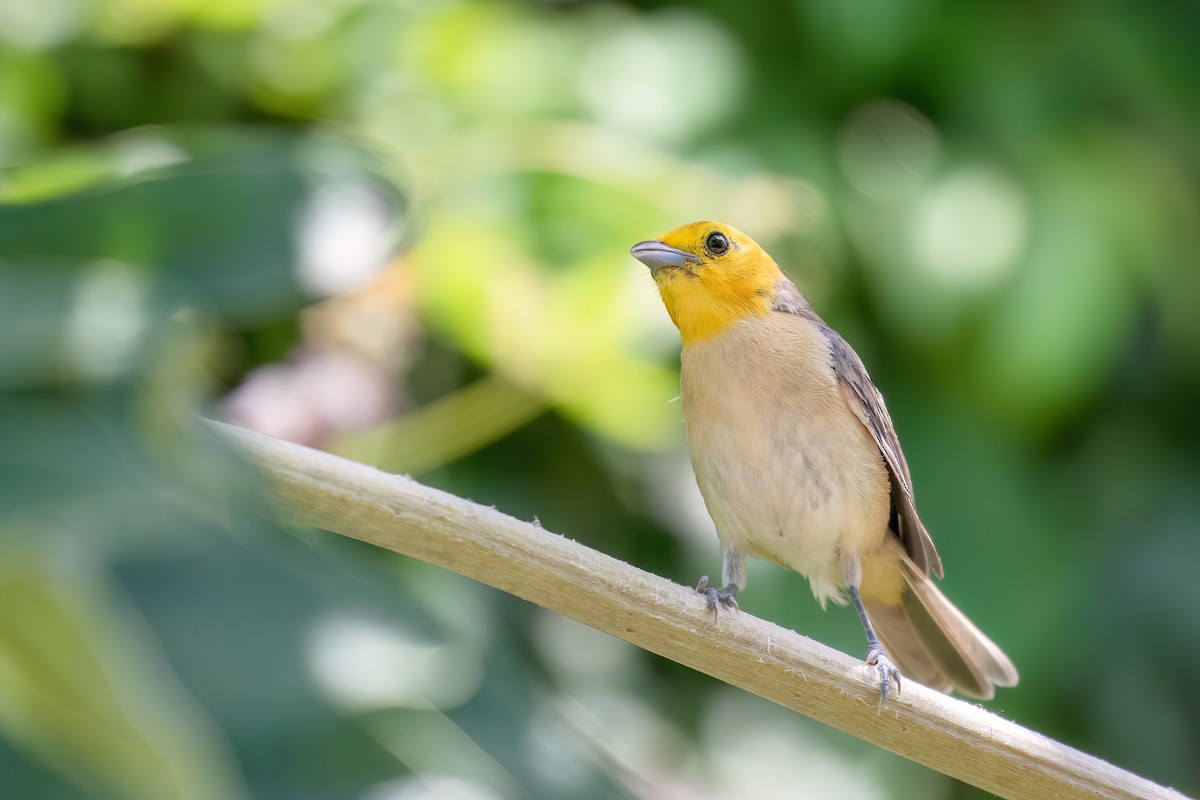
(865, 401)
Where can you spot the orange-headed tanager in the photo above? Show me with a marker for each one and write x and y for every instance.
(799, 464)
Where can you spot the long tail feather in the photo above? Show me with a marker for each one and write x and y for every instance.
(935, 644)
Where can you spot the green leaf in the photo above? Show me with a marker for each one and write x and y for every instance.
(85, 689)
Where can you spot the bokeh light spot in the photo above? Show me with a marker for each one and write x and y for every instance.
(346, 234)
(362, 665)
(640, 77)
(769, 755)
(970, 229)
(106, 320)
(430, 787)
(143, 151)
(39, 24)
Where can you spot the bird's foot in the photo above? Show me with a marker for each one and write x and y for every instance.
(717, 597)
(887, 673)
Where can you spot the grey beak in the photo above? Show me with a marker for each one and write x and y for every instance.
(656, 255)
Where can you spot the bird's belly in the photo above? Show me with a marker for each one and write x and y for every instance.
(804, 490)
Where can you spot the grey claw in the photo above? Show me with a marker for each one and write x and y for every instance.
(716, 597)
(887, 673)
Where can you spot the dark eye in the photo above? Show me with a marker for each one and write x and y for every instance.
(717, 243)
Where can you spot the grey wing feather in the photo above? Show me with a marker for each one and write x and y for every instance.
(867, 404)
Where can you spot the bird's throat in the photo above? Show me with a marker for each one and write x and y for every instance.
(703, 309)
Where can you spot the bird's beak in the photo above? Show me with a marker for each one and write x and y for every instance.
(656, 255)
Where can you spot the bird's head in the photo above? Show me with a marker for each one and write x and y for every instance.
(710, 276)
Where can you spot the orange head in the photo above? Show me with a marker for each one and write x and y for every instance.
(710, 276)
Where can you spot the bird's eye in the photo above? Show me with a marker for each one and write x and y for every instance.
(717, 244)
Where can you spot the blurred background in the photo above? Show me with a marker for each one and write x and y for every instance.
(399, 231)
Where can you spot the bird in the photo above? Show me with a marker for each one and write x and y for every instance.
(799, 463)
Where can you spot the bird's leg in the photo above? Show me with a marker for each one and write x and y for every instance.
(733, 571)
(875, 655)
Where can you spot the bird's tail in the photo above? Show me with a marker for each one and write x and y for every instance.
(934, 643)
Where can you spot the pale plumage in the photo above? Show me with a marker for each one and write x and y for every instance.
(787, 473)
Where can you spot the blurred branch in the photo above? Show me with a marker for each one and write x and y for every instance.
(444, 430)
(946, 734)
